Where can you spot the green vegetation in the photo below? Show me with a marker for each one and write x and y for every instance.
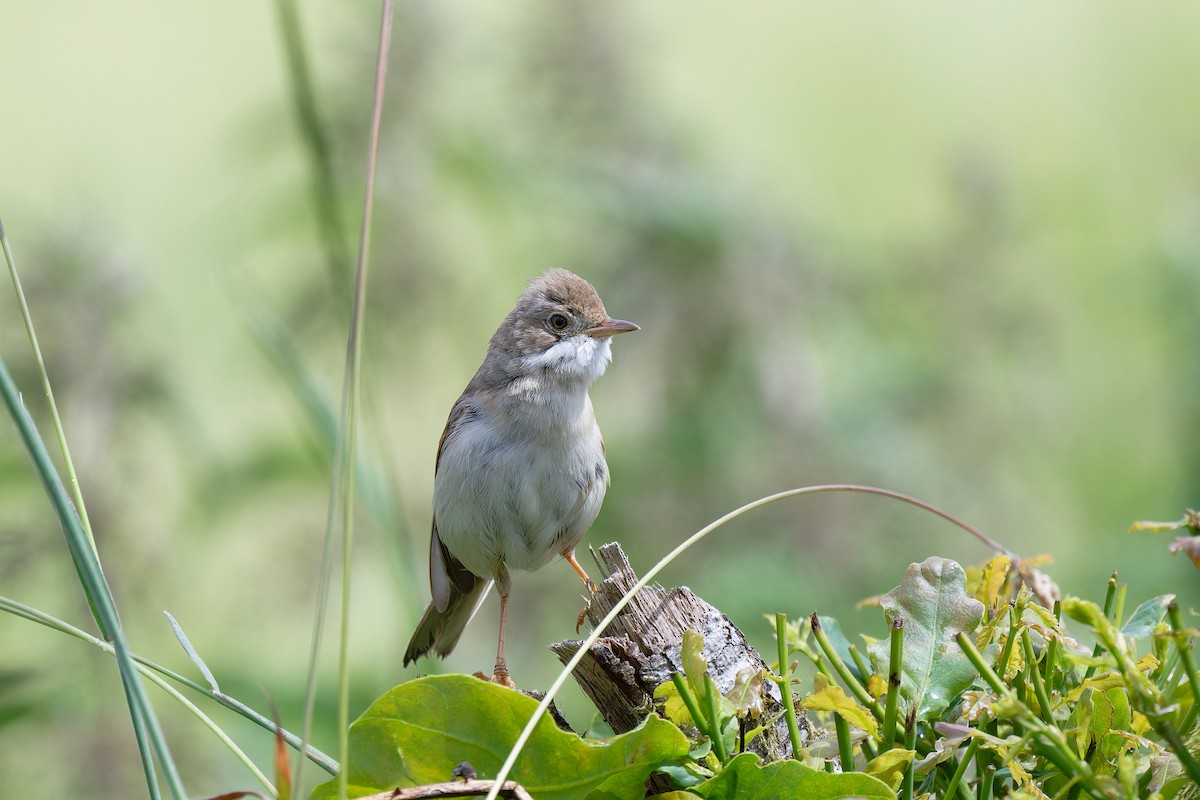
(950, 252)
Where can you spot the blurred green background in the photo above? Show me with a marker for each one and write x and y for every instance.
(953, 251)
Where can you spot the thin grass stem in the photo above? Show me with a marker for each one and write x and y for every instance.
(353, 381)
(146, 729)
(27, 318)
(33, 615)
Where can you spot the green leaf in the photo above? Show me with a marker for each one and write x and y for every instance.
(743, 779)
(828, 696)
(1146, 617)
(419, 731)
(890, 766)
(695, 665)
(674, 708)
(935, 607)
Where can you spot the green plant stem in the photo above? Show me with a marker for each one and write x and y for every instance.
(1189, 665)
(351, 383)
(892, 704)
(33, 615)
(1050, 660)
(845, 742)
(1119, 605)
(1035, 677)
(146, 729)
(910, 742)
(843, 671)
(859, 663)
(1010, 640)
(985, 783)
(1109, 596)
(956, 779)
(1179, 747)
(693, 707)
(785, 688)
(976, 659)
(714, 719)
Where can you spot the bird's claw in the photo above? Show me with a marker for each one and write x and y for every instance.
(587, 606)
(499, 677)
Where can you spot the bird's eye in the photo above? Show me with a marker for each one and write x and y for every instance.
(559, 322)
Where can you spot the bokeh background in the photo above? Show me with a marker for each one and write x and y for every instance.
(953, 251)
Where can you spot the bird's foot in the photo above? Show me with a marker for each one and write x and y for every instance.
(499, 676)
(583, 615)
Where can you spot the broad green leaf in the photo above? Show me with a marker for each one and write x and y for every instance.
(828, 696)
(933, 603)
(890, 766)
(419, 731)
(1146, 617)
(743, 779)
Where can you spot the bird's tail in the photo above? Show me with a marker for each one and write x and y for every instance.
(439, 631)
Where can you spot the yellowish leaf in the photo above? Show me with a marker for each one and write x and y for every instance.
(828, 696)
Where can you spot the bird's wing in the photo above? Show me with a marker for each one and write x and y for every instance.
(446, 572)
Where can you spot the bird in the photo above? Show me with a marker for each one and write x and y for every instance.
(520, 471)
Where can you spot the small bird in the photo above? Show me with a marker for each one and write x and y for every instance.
(520, 471)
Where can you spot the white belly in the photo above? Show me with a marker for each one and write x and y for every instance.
(517, 501)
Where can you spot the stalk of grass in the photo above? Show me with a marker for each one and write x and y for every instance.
(56, 420)
(146, 667)
(350, 394)
(785, 686)
(146, 728)
(682, 547)
(895, 657)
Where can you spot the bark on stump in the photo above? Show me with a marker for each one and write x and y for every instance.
(641, 648)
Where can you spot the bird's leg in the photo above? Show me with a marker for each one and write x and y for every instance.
(591, 584)
(588, 582)
(500, 673)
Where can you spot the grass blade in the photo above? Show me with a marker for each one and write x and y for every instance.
(145, 725)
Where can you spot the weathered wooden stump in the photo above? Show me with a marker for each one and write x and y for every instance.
(641, 648)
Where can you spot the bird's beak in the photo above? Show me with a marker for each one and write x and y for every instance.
(610, 327)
